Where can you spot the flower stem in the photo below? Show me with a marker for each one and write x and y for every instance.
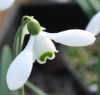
(34, 89)
(25, 17)
(21, 91)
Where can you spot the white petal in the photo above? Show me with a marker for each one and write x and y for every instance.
(94, 25)
(74, 37)
(43, 28)
(43, 48)
(20, 70)
(5, 4)
(21, 67)
(30, 44)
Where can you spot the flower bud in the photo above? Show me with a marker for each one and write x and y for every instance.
(33, 27)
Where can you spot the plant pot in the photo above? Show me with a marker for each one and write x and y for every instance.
(55, 17)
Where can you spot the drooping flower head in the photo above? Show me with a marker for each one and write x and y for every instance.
(40, 47)
(5, 4)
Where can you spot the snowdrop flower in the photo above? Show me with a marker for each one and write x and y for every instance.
(94, 25)
(5, 4)
(40, 48)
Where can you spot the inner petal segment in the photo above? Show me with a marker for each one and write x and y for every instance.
(44, 49)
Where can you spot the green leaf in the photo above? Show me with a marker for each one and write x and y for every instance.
(87, 7)
(6, 59)
(95, 5)
(34, 89)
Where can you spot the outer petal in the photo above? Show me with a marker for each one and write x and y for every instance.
(44, 49)
(21, 67)
(5, 4)
(94, 24)
(74, 37)
(20, 70)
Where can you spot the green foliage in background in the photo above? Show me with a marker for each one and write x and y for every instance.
(83, 60)
(77, 55)
(6, 59)
(90, 7)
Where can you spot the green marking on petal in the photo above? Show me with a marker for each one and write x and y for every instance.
(46, 54)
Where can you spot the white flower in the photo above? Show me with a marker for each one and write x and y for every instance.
(5, 4)
(94, 24)
(40, 48)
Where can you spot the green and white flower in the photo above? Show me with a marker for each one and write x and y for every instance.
(40, 47)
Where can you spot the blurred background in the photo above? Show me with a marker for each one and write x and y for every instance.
(3, 13)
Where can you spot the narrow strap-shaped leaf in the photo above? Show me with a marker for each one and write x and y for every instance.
(6, 59)
(87, 7)
(95, 5)
(34, 89)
